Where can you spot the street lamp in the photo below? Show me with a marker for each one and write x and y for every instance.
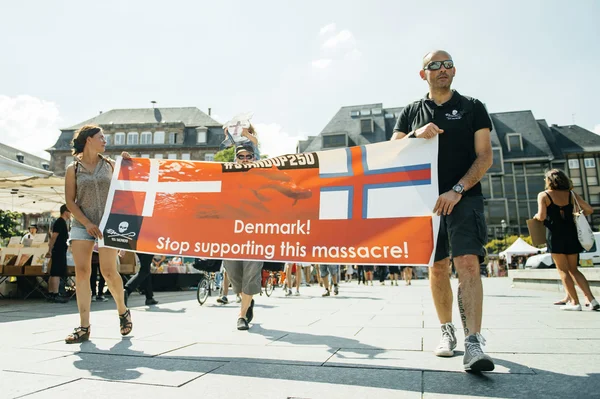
(503, 225)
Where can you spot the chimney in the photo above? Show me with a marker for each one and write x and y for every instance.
(153, 103)
(100, 113)
(20, 157)
(209, 111)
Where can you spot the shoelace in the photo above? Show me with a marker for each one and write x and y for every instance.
(447, 334)
(475, 347)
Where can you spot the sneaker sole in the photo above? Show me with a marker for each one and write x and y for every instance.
(444, 353)
(480, 365)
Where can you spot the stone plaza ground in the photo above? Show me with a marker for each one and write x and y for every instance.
(368, 342)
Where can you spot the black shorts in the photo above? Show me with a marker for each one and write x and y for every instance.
(394, 270)
(369, 268)
(58, 267)
(464, 230)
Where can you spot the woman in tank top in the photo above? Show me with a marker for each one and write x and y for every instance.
(555, 210)
(87, 182)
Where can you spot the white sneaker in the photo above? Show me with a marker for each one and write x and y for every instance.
(474, 358)
(595, 305)
(238, 298)
(570, 307)
(448, 341)
(297, 293)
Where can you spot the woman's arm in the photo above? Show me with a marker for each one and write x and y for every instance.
(542, 207)
(587, 208)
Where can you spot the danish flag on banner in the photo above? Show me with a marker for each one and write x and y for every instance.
(362, 205)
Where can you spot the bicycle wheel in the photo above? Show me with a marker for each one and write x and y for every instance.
(203, 291)
(269, 286)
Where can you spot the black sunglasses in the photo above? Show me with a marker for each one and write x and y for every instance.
(435, 65)
(249, 157)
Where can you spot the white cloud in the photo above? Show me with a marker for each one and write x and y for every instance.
(327, 29)
(29, 123)
(322, 63)
(344, 36)
(353, 55)
(274, 141)
(597, 129)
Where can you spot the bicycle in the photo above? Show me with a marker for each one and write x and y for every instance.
(207, 284)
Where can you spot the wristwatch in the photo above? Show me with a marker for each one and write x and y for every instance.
(458, 188)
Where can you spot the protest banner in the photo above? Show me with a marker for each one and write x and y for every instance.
(361, 205)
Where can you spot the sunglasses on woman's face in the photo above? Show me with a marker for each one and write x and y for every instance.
(242, 157)
(435, 65)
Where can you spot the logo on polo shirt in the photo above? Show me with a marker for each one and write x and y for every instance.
(455, 115)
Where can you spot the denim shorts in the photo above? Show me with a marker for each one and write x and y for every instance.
(80, 234)
(329, 269)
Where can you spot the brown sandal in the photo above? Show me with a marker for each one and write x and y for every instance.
(125, 322)
(79, 334)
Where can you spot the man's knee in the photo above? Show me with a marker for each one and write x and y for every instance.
(439, 268)
(467, 265)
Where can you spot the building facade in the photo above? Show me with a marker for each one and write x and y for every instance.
(162, 133)
(523, 147)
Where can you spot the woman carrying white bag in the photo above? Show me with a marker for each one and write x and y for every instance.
(567, 233)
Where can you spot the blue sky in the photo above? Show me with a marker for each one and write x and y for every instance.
(294, 64)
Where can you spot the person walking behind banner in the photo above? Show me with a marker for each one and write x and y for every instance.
(382, 272)
(369, 270)
(293, 271)
(87, 182)
(144, 277)
(555, 209)
(463, 127)
(245, 275)
(407, 272)
(394, 273)
(349, 273)
(333, 271)
(57, 251)
(360, 271)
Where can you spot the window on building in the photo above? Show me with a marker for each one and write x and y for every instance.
(497, 191)
(172, 138)
(159, 137)
(185, 157)
(576, 181)
(509, 187)
(158, 156)
(201, 136)
(523, 213)
(335, 140)
(132, 138)
(592, 180)
(376, 111)
(595, 199)
(120, 138)
(172, 156)
(365, 112)
(508, 168)
(366, 125)
(145, 155)
(536, 168)
(354, 113)
(521, 187)
(146, 138)
(535, 184)
(389, 115)
(108, 138)
(573, 163)
(514, 141)
(589, 163)
(496, 211)
(518, 168)
(512, 213)
(485, 187)
(209, 157)
(497, 161)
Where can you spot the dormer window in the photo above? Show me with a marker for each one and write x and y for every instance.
(366, 126)
(335, 140)
(354, 113)
(514, 142)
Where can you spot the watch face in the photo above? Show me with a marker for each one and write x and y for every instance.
(458, 188)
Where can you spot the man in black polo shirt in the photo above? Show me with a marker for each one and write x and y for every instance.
(465, 154)
(57, 251)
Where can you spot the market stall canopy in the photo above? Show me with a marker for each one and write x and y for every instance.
(27, 189)
(519, 247)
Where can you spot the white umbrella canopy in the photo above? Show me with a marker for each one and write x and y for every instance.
(519, 247)
(27, 189)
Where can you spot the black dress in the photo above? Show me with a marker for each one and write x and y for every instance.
(561, 232)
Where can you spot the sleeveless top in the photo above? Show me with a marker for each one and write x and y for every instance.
(92, 189)
(561, 232)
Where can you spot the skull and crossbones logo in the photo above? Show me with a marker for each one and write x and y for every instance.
(123, 226)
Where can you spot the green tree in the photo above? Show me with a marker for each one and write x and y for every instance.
(9, 224)
(498, 245)
(226, 155)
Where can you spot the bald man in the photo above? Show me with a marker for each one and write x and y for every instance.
(463, 127)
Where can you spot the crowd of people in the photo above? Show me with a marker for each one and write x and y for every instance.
(462, 126)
